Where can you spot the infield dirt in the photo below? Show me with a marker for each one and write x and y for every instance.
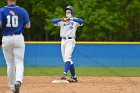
(42, 84)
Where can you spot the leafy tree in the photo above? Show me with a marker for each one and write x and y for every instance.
(104, 20)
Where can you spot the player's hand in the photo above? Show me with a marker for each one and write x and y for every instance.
(68, 19)
(63, 19)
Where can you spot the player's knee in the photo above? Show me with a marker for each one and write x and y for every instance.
(67, 59)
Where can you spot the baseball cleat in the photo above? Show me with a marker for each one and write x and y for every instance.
(64, 77)
(73, 80)
(17, 86)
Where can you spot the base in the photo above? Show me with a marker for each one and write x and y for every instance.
(60, 81)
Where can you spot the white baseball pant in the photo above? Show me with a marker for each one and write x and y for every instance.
(13, 49)
(67, 47)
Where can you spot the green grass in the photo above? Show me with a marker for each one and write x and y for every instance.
(81, 71)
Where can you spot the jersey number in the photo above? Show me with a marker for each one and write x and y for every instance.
(14, 21)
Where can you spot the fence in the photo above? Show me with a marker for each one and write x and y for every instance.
(84, 54)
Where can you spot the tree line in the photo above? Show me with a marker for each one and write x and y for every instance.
(104, 20)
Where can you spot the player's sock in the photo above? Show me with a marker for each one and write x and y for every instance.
(66, 67)
(72, 70)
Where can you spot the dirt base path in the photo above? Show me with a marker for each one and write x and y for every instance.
(42, 84)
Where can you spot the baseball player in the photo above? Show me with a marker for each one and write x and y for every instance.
(68, 27)
(13, 19)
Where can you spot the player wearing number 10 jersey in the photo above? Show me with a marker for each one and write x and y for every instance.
(13, 20)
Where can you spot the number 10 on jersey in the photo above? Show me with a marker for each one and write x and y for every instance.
(12, 21)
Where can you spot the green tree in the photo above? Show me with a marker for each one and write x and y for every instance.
(104, 20)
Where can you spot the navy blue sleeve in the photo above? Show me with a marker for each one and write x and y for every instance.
(26, 18)
(55, 21)
(78, 20)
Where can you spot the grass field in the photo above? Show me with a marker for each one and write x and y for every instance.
(81, 71)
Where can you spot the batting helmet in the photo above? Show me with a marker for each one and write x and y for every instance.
(70, 8)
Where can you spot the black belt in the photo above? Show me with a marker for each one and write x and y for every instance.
(67, 37)
(13, 34)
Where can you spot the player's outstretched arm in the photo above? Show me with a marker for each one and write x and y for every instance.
(78, 20)
(55, 21)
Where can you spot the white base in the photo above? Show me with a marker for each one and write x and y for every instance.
(60, 81)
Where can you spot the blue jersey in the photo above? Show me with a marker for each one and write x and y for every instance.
(13, 19)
